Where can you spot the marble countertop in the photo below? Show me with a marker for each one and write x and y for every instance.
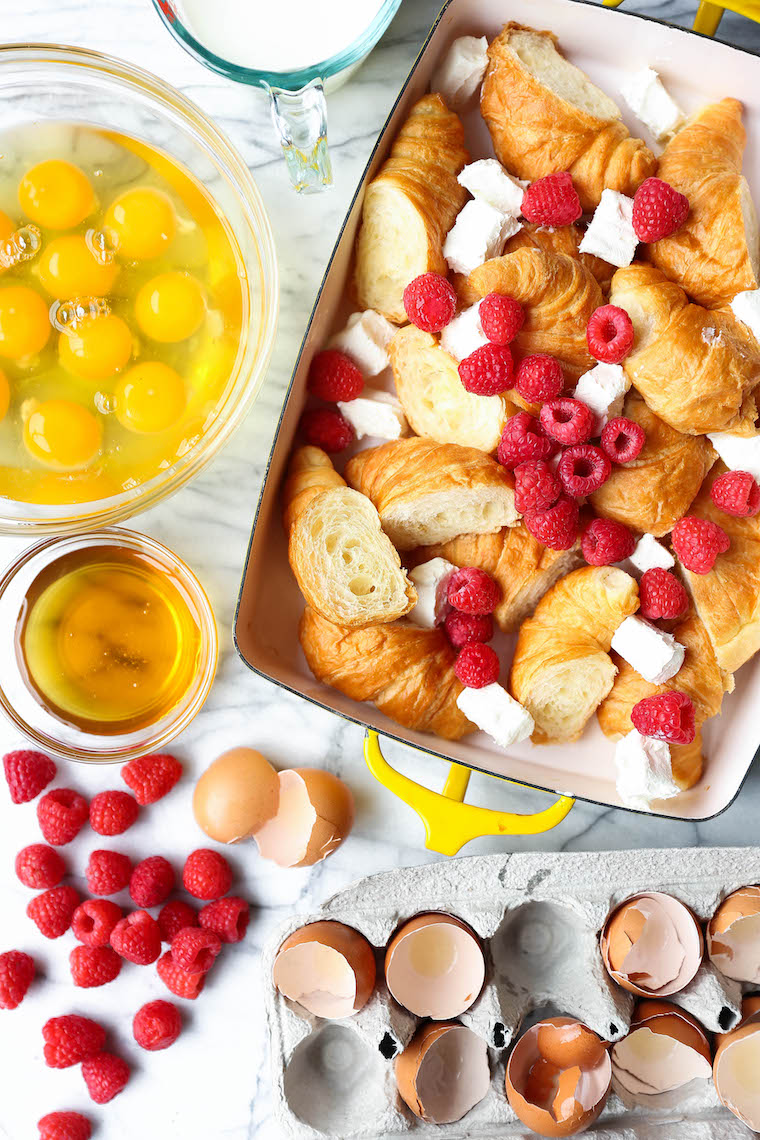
(214, 1082)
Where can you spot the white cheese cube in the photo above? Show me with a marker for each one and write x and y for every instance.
(738, 452)
(610, 234)
(376, 414)
(645, 94)
(656, 655)
(495, 712)
(464, 334)
(461, 71)
(365, 339)
(431, 581)
(648, 554)
(644, 770)
(746, 307)
(489, 182)
(603, 388)
(478, 234)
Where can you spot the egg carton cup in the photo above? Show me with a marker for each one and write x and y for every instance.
(539, 917)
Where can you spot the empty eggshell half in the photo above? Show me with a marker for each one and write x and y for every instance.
(327, 968)
(314, 816)
(236, 795)
(733, 936)
(652, 945)
(665, 1050)
(434, 966)
(443, 1072)
(737, 1065)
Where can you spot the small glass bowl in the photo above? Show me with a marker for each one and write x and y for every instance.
(52, 734)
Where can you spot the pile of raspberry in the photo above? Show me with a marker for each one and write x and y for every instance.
(472, 596)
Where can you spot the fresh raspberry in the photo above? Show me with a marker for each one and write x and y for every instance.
(736, 493)
(698, 542)
(53, 910)
(62, 814)
(93, 966)
(606, 541)
(609, 334)
(568, 420)
(157, 1025)
(477, 665)
(552, 201)
(333, 376)
(583, 469)
(666, 716)
(27, 774)
(93, 921)
(463, 629)
(175, 916)
(40, 867)
(194, 949)
(178, 981)
(557, 526)
(64, 1126)
(206, 875)
(622, 440)
(501, 318)
(488, 371)
(658, 210)
(113, 813)
(105, 1075)
(137, 938)
(228, 918)
(327, 428)
(152, 881)
(430, 302)
(539, 378)
(17, 972)
(472, 591)
(151, 777)
(71, 1039)
(536, 486)
(661, 595)
(522, 440)
(108, 872)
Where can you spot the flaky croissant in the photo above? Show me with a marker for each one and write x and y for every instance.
(561, 239)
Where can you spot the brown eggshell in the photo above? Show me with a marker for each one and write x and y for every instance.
(721, 938)
(441, 998)
(333, 802)
(575, 1045)
(648, 1072)
(314, 816)
(626, 925)
(742, 1108)
(672, 1021)
(335, 936)
(463, 1090)
(236, 795)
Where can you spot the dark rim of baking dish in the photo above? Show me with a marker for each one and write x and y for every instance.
(355, 719)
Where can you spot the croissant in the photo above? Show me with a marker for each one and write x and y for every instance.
(428, 492)
(545, 115)
(716, 253)
(653, 491)
(696, 369)
(344, 564)
(408, 673)
(409, 207)
(561, 239)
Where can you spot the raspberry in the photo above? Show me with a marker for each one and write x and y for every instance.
(622, 440)
(488, 371)
(552, 201)
(430, 302)
(463, 629)
(661, 595)
(157, 1025)
(501, 318)
(113, 813)
(64, 1126)
(206, 875)
(93, 921)
(71, 1039)
(228, 918)
(698, 542)
(605, 541)
(175, 916)
(151, 777)
(93, 966)
(194, 949)
(472, 591)
(536, 486)
(327, 428)
(53, 910)
(477, 666)
(108, 872)
(666, 716)
(658, 210)
(583, 469)
(17, 972)
(539, 378)
(736, 493)
(105, 1075)
(524, 439)
(181, 983)
(334, 376)
(568, 420)
(62, 814)
(152, 881)
(557, 526)
(27, 774)
(137, 938)
(609, 334)
(40, 867)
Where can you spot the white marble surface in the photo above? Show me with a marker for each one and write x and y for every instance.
(214, 1082)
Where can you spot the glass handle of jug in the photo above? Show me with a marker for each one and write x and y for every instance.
(300, 118)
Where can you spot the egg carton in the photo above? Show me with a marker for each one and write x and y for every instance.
(539, 917)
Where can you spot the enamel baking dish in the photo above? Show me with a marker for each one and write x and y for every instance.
(607, 44)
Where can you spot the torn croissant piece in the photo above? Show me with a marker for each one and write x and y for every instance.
(561, 239)
(409, 207)
(716, 252)
(696, 369)
(407, 672)
(545, 115)
(562, 669)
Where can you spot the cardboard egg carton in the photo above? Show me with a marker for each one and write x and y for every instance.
(539, 917)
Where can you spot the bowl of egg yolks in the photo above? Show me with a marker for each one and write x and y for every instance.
(138, 290)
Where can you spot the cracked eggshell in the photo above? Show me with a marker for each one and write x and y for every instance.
(737, 1065)
(326, 967)
(443, 1072)
(314, 816)
(434, 966)
(665, 1050)
(652, 945)
(733, 936)
(236, 795)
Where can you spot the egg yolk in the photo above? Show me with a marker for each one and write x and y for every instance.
(144, 223)
(96, 348)
(62, 434)
(24, 322)
(56, 194)
(68, 268)
(5, 395)
(170, 307)
(6, 226)
(149, 397)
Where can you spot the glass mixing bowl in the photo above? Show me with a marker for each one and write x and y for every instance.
(42, 83)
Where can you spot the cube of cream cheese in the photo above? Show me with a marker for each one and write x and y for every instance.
(654, 654)
(603, 388)
(464, 334)
(610, 234)
(493, 710)
(375, 414)
(431, 581)
(365, 339)
(644, 771)
(489, 182)
(649, 554)
(738, 452)
(746, 307)
(645, 94)
(478, 234)
(461, 71)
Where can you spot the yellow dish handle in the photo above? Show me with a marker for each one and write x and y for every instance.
(709, 14)
(449, 821)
